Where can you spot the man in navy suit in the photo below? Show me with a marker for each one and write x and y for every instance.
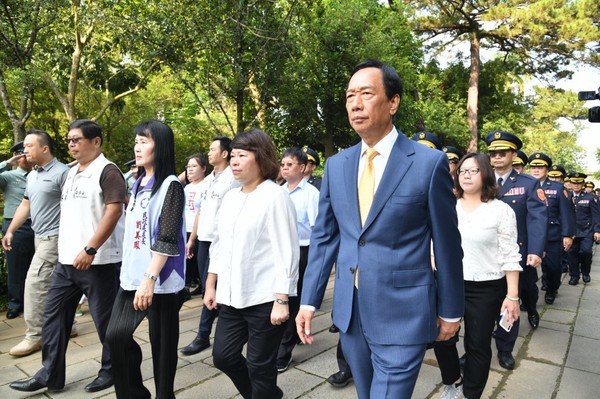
(525, 196)
(388, 303)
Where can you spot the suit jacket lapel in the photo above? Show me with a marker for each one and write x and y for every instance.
(394, 172)
(351, 182)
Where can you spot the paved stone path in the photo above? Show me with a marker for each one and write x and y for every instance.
(561, 359)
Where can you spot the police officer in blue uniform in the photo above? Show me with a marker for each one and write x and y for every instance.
(526, 198)
(429, 139)
(454, 156)
(587, 215)
(561, 224)
(313, 162)
(520, 161)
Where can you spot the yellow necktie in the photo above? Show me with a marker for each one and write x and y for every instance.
(366, 191)
(366, 186)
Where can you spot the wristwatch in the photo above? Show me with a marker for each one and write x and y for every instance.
(90, 250)
(281, 301)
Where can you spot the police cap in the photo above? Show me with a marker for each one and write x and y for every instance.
(429, 139)
(540, 159)
(312, 156)
(557, 171)
(18, 147)
(499, 140)
(453, 153)
(521, 158)
(577, 177)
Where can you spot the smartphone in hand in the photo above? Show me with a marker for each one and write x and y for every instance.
(504, 321)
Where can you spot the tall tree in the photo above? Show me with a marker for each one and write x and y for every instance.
(543, 35)
(329, 38)
(21, 24)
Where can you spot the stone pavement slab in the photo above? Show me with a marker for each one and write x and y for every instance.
(558, 360)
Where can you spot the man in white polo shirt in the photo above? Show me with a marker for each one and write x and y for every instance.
(214, 187)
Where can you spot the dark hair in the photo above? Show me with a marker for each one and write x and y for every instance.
(391, 80)
(199, 157)
(164, 150)
(262, 146)
(225, 143)
(489, 189)
(43, 138)
(89, 128)
(296, 152)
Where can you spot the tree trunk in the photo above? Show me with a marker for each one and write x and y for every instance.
(17, 122)
(473, 93)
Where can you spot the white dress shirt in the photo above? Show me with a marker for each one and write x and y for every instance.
(255, 252)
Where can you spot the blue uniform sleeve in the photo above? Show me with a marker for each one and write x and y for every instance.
(537, 220)
(567, 214)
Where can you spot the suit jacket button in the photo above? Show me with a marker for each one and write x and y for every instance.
(362, 243)
(352, 270)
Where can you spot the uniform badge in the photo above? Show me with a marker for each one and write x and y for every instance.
(421, 136)
(541, 195)
(497, 135)
(566, 194)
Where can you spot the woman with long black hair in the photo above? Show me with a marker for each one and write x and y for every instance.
(153, 268)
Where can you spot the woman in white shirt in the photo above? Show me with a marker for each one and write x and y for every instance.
(491, 268)
(194, 174)
(255, 259)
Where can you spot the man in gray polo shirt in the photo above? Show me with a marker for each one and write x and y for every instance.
(42, 203)
(12, 184)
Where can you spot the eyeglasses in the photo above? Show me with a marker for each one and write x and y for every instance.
(288, 165)
(74, 140)
(468, 172)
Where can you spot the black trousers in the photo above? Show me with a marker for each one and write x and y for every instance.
(528, 292)
(341, 360)
(483, 300)
(99, 284)
(18, 260)
(126, 354)
(580, 257)
(446, 355)
(290, 335)
(254, 376)
(207, 317)
(551, 265)
(191, 268)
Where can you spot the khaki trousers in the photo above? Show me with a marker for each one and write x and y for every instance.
(38, 280)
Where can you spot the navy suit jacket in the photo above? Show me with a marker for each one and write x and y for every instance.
(399, 296)
(524, 195)
(561, 212)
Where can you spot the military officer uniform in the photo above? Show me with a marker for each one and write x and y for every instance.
(561, 223)
(524, 195)
(313, 157)
(520, 161)
(587, 215)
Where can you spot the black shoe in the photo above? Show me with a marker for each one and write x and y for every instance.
(573, 281)
(31, 385)
(534, 319)
(586, 279)
(197, 346)
(506, 360)
(333, 329)
(339, 379)
(550, 297)
(565, 269)
(283, 364)
(101, 382)
(462, 361)
(543, 288)
(12, 313)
